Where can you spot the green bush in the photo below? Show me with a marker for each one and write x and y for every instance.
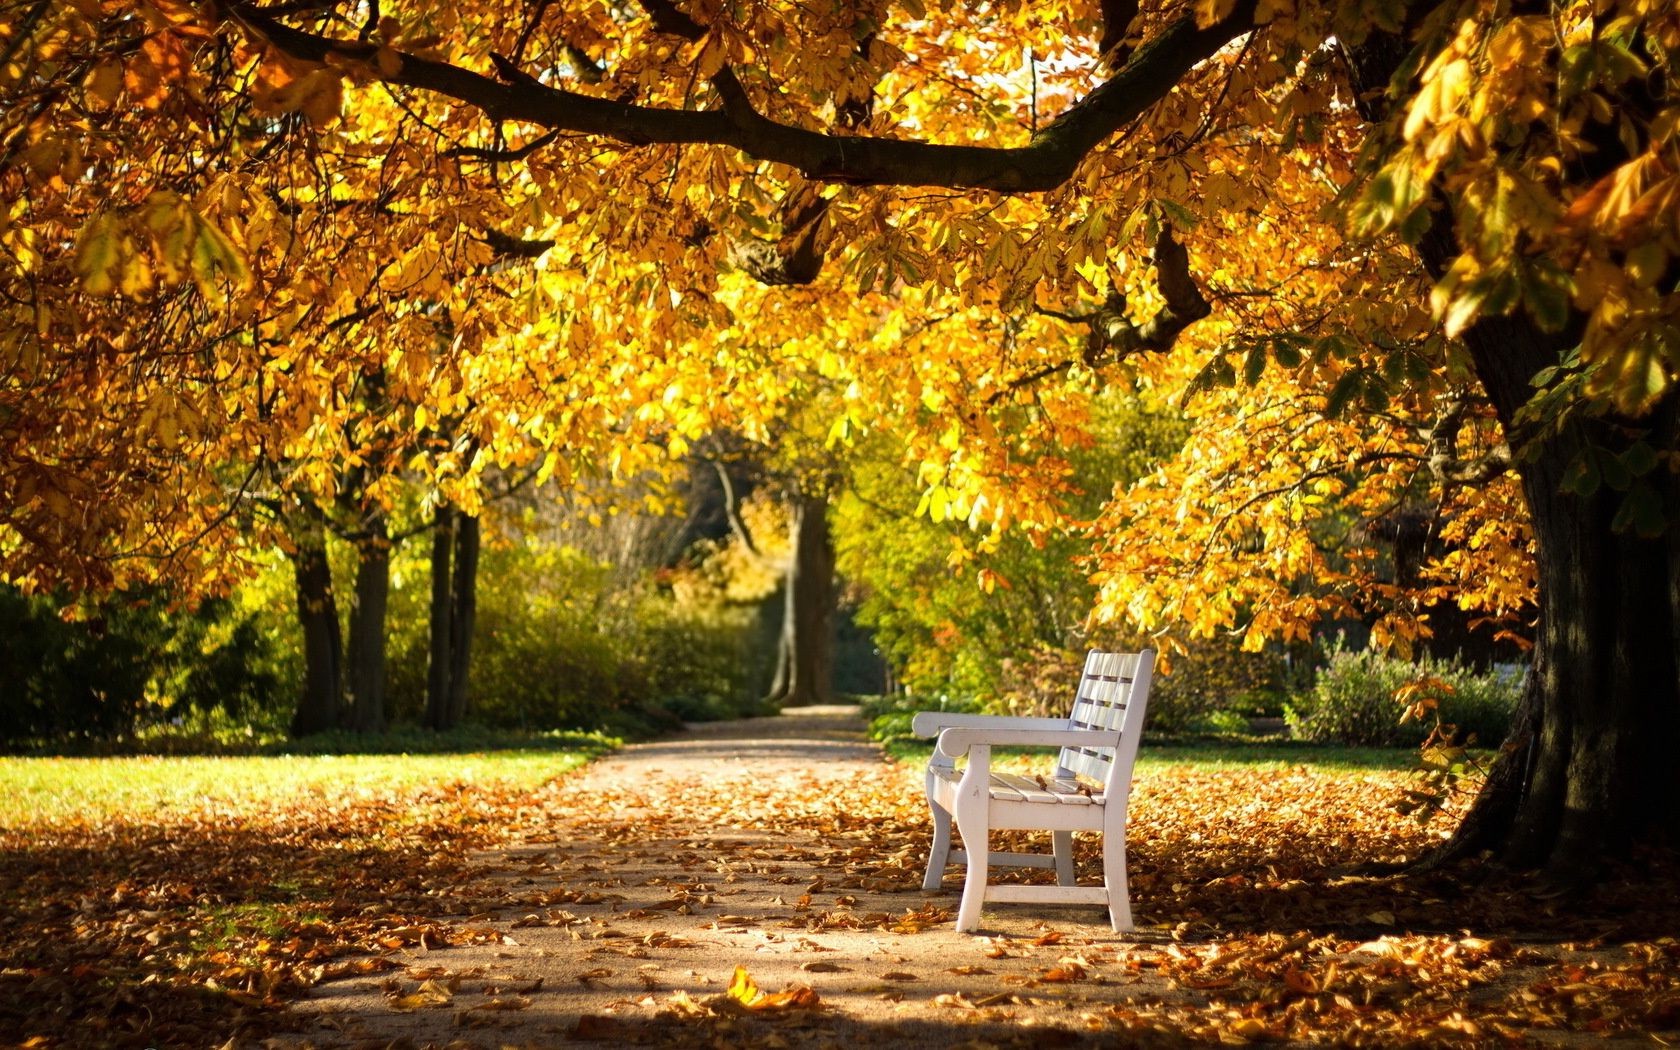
(562, 641)
(125, 663)
(1353, 701)
(1210, 687)
(698, 661)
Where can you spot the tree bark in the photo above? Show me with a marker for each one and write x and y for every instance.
(442, 617)
(1049, 159)
(366, 679)
(464, 613)
(805, 649)
(455, 544)
(1587, 772)
(319, 707)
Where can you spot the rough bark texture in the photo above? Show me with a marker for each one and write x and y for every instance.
(366, 678)
(805, 649)
(323, 682)
(1591, 773)
(1588, 772)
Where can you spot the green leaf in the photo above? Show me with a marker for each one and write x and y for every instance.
(1582, 477)
(1255, 365)
(1343, 392)
(99, 257)
(1639, 458)
(1641, 512)
(1181, 217)
(1611, 469)
(1376, 394)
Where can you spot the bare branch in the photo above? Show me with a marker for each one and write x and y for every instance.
(1114, 337)
(503, 156)
(1442, 455)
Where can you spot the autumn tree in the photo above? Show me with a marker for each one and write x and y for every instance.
(986, 208)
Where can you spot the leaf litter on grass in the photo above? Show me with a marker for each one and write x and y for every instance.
(1262, 922)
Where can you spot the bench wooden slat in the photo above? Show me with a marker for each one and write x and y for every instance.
(1011, 787)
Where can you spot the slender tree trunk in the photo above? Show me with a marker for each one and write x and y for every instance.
(805, 650)
(455, 544)
(464, 600)
(442, 617)
(366, 677)
(323, 684)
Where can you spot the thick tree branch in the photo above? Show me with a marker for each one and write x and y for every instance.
(1047, 161)
(1442, 455)
(795, 258)
(1112, 336)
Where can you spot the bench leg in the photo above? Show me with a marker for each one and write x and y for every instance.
(1114, 881)
(1064, 856)
(976, 835)
(941, 853)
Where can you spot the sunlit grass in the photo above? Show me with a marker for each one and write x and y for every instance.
(45, 791)
(1216, 754)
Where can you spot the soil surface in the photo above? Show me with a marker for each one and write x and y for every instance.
(734, 845)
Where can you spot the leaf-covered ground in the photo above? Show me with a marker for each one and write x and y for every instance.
(759, 885)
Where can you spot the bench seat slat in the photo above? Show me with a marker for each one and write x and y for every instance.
(1011, 787)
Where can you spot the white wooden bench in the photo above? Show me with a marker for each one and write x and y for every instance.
(1099, 741)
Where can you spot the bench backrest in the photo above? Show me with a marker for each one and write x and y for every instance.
(1113, 692)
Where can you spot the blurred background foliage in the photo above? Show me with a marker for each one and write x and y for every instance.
(633, 610)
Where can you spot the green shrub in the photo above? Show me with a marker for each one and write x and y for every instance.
(1207, 687)
(566, 642)
(125, 664)
(1353, 701)
(698, 661)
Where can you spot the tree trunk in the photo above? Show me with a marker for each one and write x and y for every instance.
(1591, 771)
(1588, 771)
(455, 543)
(323, 684)
(805, 650)
(464, 600)
(366, 677)
(442, 616)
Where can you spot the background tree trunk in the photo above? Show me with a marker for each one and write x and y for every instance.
(366, 678)
(455, 544)
(442, 617)
(805, 649)
(464, 613)
(323, 683)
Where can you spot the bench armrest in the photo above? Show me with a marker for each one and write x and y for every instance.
(930, 723)
(956, 740)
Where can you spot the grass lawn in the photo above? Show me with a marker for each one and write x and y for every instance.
(1211, 754)
(46, 791)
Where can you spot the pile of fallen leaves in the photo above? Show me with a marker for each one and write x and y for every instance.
(1261, 917)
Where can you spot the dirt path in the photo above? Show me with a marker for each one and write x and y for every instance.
(760, 843)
